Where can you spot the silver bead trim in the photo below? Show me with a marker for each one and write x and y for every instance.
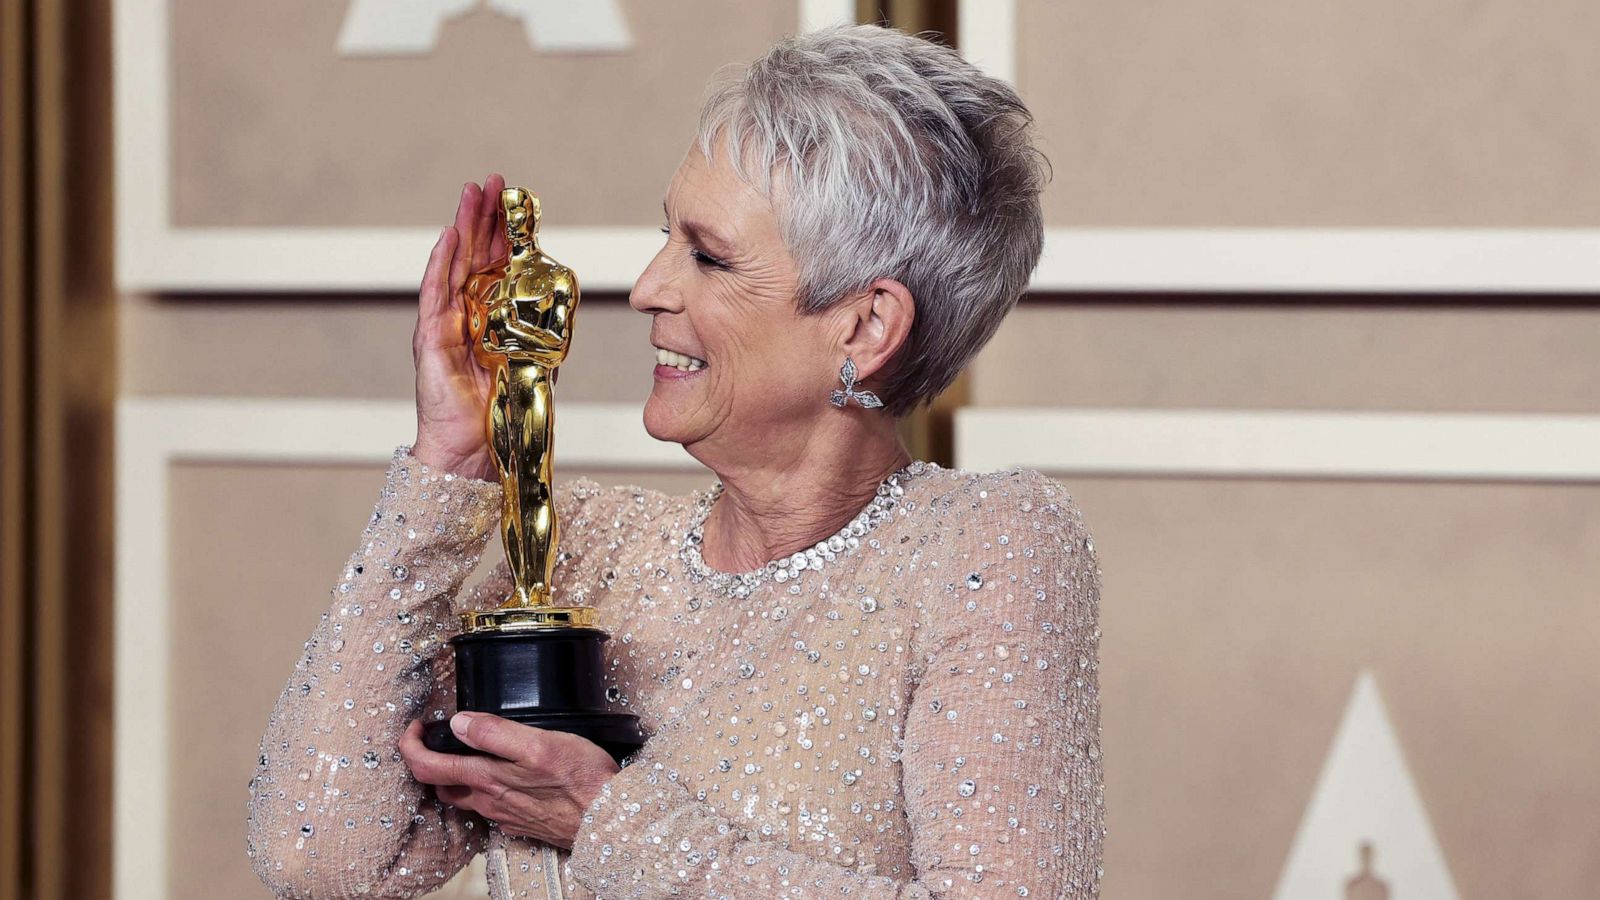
(846, 540)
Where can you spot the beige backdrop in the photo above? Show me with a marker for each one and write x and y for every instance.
(1417, 355)
(271, 127)
(1437, 113)
(1236, 616)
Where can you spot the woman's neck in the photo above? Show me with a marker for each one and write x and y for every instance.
(773, 509)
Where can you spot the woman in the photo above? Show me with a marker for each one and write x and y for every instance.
(860, 674)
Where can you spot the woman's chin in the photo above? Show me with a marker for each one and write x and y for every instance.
(664, 420)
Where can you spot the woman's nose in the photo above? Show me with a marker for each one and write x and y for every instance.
(654, 291)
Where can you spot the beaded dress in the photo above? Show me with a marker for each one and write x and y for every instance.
(914, 712)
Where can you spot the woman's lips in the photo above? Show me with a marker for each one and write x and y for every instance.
(673, 373)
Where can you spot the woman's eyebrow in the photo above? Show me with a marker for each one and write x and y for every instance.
(703, 233)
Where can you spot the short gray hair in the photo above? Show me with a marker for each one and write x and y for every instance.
(899, 159)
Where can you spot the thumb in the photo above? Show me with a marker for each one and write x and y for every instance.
(489, 733)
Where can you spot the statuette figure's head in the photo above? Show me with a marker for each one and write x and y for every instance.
(522, 213)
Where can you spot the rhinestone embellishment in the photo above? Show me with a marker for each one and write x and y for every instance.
(739, 585)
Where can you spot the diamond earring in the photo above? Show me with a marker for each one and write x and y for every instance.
(847, 374)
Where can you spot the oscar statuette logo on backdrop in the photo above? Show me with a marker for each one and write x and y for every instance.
(383, 28)
(1366, 810)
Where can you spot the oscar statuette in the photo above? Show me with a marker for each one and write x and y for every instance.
(528, 660)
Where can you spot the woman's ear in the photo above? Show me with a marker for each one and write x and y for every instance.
(880, 323)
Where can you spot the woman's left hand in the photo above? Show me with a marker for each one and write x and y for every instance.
(536, 783)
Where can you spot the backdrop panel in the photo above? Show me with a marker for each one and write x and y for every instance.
(303, 144)
(1239, 616)
(1232, 145)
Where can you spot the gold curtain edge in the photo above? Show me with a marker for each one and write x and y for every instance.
(50, 743)
(15, 79)
(57, 327)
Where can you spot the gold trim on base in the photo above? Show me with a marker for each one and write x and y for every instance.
(528, 618)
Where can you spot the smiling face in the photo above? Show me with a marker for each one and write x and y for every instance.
(738, 367)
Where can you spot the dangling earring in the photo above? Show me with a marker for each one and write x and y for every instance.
(847, 374)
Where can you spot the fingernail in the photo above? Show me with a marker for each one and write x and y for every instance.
(459, 722)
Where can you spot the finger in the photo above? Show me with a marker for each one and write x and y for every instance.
(466, 227)
(452, 247)
(436, 769)
(501, 737)
(499, 247)
(431, 296)
(411, 747)
(488, 225)
(455, 795)
(497, 220)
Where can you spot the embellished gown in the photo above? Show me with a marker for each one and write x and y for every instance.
(913, 714)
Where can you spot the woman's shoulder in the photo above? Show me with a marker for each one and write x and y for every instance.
(1015, 498)
(1011, 546)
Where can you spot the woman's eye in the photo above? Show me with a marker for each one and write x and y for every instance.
(665, 230)
(705, 260)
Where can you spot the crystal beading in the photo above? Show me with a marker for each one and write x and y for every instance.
(739, 585)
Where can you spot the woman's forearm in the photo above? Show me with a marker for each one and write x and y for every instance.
(333, 809)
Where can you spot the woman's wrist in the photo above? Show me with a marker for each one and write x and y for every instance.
(478, 466)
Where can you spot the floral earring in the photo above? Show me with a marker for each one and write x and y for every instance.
(847, 374)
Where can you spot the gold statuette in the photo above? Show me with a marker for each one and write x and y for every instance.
(521, 316)
(528, 660)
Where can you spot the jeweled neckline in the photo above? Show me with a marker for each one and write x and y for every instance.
(784, 569)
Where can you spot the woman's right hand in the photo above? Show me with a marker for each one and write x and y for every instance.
(453, 390)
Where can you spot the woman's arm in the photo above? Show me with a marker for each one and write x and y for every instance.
(1004, 781)
(1002, 773)
(333, 810)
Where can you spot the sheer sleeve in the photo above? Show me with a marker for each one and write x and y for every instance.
(333, 810)
(1004, 781)
(1000, 762)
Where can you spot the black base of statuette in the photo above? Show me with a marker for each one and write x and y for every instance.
(548, 678)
